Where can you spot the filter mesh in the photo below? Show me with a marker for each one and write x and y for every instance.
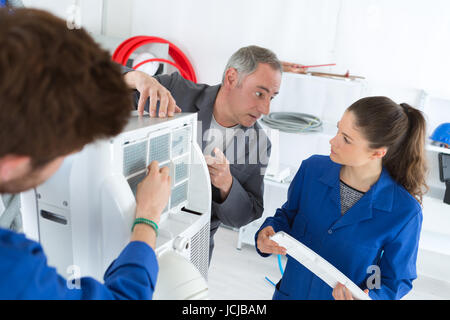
(134, 158)
(181, 171)
(159, 148)
(180, 141)
(134, 181)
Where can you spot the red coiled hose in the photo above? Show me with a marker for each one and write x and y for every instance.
(181, 62)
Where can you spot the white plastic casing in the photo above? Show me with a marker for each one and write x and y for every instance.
(83, 215)
(316, 264)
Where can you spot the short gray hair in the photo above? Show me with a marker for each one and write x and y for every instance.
(246, 60)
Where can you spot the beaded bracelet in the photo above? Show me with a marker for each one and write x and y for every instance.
(147, 222)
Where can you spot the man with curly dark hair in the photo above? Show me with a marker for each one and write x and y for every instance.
(58, 92)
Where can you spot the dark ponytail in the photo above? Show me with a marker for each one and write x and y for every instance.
(402, 129)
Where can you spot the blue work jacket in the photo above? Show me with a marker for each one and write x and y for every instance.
(381, 230)
(26, 275)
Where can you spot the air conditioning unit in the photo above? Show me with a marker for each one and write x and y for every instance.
(83, 215)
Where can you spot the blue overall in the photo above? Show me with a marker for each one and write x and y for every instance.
(26, 275)
(382, 229)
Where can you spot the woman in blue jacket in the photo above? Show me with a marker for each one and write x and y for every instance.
(360, 207)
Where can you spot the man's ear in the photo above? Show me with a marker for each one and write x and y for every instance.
(13, 166)
(231, 78)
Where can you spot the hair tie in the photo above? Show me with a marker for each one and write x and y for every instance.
(405, 107)
(407, 110)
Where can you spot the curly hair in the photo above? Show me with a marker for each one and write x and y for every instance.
(58, 89)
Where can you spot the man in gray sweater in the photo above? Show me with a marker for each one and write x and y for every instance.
(236, 148)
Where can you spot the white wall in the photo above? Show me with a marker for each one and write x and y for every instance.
(396, 44)
(210, 31)
(90, 11)
(400, 46)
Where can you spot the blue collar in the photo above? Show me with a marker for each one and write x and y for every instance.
(381, 194)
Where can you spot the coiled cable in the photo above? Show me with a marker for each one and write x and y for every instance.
(292, 122)
(181, 62)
